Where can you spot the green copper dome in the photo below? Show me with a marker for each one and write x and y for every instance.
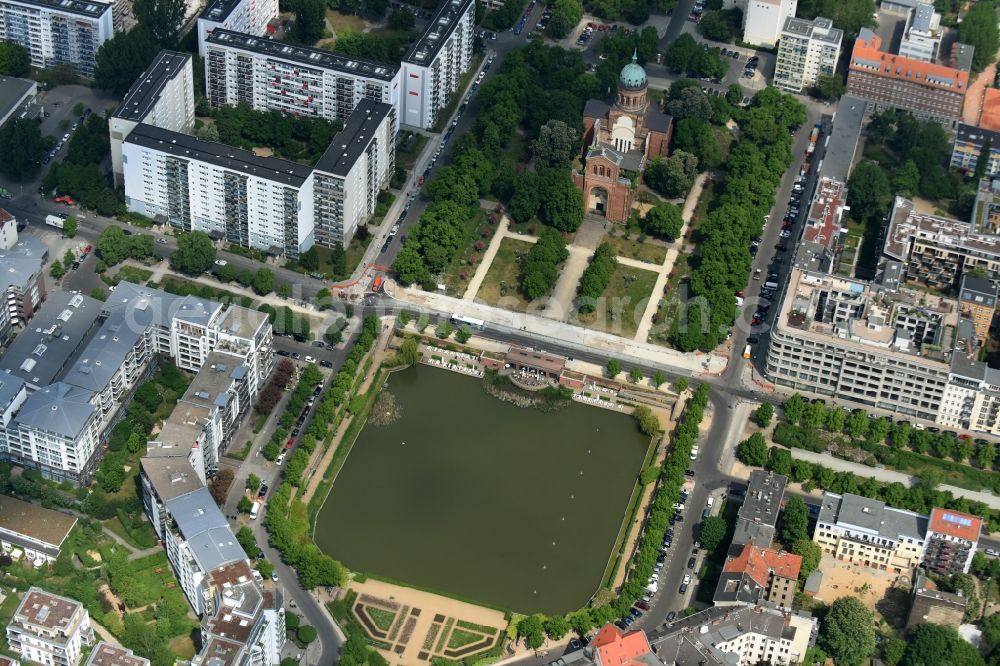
(633, 76)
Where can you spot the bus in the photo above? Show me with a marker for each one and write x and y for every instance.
(462, 319)
(254, 510)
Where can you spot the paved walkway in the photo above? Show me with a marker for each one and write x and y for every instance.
(503, 231)
(889, 475)
(104, 633)
(646, 323)
(588, 237)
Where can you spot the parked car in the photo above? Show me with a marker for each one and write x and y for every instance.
(691, 562)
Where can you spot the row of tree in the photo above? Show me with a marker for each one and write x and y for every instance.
(115, 246)
(597, 276)
(755, 166)
(287, 520)
(79, 175)
(540, 266)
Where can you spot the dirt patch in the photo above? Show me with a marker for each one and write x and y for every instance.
(842, 579)
(263, 152)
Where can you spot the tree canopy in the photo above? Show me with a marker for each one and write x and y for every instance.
(672, 176)
(936, 645)
(847, 633)
(663, 221)
(121, 59)
(794, 520)
(162, 18)
(979, 29)
(195, 253)
(712, 532)
(22, 148)
(14, 59)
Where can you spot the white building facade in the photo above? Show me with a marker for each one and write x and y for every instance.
(49, 629)
(162, 97)
(356, 167)
(433, 68)
(763, 20)
(806, 50)
(263, 203)
(57, 32)
(274, 76)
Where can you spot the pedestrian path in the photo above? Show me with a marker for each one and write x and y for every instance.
(503, 231)
(663, 273)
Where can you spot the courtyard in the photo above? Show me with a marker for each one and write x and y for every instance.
(483, 501)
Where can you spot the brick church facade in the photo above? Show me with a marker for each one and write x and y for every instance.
(619, 140)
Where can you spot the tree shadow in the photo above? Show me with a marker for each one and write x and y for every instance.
(893, 606)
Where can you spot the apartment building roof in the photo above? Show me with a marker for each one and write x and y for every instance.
(820, 29)
(351, 142)
(205, 529)
(242, 322)
(145, 306)
(842, 146)
(220, 652)
(925, 587)
(105, 354)
(614, 647)
(437, 32)
(145, 92)
(823, 221)
(106, 654)
(219, 10)
(43, 610)
(696, 639)
(60, 408)
(21, 263)
(763, 499)
(906, 223)
(241, 602)
(182, 430)
(61, 327)
(211, 385)
(956, 524)
(303, 55)
(10, 387)
(78, 7)
(188, 147)
(974, 286)
(868, 56)
(871, 515)
(760, 563)
(35, 522)
(170, 476)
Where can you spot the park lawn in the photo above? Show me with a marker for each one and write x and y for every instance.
(460, 270)
(633, 249)
(505, 270)
(182, 647)
(340, 22)
(624, 302)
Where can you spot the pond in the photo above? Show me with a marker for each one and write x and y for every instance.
(478, 499)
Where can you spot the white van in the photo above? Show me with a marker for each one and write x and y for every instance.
(711, 501)
(254, 510)
(770, 285)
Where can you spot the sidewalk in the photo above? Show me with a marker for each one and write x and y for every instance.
(888, 475)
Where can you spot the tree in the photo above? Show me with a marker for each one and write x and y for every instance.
(306, 634)
(14, 59)
(663, 221)
(409, 352)
(112, 478)
(98, 294)
(565, 15)
(121, 59)
(22, 147)
(659, 379)
(983, 161)
(245, 505)
(310, 19)
(681, 384)
(936, 645)
(828, 86)
(795, 408)
(556, 144)
(162, 18)
(56, 270)
(253, 483)
(892, 650)
(195, 253)
(672, 177)
(794, 520)
(811, 554)
(753, 450)
(779, 461)
(556, 626)
(263, 281)
(401, 19)
(463, 334)
(648, 423)
(696, 137)
(613, 368)
(561, 205)
(718, 26)
(246, 539)
(763, 414)
(847, 633)
(979, 29)
(712, 532)
(906, 180)
(531, 629)
(69, 224)
(691, 103)
(869, 193)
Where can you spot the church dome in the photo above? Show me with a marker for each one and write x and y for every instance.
(633, 76)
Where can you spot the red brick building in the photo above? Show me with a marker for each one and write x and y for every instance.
(618, 142)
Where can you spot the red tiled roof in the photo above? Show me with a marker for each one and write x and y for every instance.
(990, 116)
(758, 563)
(613, 647)
(956, 524)
(5, 216)
(902, 68)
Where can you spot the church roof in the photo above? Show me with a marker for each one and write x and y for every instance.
(633, 76)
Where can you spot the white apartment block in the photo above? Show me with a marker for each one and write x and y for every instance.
(763, 20)
(922, 35)
(268, 75)
(258, 202)
(433, 67)
(106, 654)
(49, 629)
(253, 17)
(868, 533)
(22, 281)
(84, 359)
(57, 32)
(352, 172)
(806, 50)
(163, 96)
(8, 229)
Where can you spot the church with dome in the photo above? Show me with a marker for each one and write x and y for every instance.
(619, 140)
